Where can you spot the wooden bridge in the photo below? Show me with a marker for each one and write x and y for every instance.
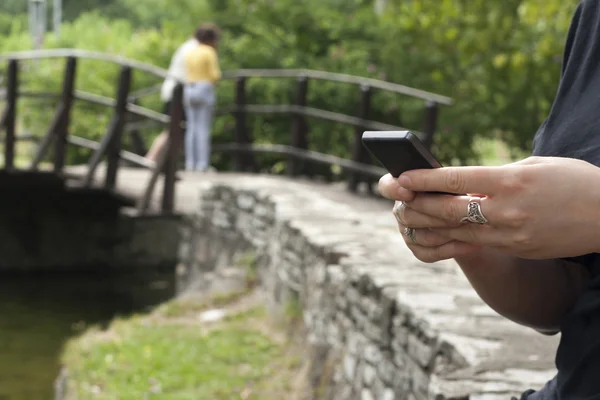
(126, 163)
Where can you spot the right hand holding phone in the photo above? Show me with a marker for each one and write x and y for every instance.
(427, 246)
(537, 208)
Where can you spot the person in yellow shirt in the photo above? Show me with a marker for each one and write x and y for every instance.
(202, 71)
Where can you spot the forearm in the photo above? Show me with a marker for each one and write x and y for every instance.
(534, 293)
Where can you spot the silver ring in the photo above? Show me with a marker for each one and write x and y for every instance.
(398, 207)
(410, 233)
(474, 213)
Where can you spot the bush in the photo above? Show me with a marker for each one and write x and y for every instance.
(499, 60)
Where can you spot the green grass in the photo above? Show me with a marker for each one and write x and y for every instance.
(170, 362)
(170, 355)
(247, 261)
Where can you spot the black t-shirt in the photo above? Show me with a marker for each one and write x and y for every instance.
(572, 129)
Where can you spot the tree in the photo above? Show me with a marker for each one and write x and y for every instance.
(500, 61)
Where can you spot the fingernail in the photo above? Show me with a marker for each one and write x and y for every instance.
(404, 180)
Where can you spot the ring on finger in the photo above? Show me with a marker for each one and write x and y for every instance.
(474, 213)
(410, 233)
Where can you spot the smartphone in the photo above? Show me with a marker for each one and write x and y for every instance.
(399, 151)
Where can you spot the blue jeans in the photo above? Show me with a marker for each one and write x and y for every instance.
(199, 100)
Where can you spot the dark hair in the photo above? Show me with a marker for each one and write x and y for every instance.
(207, 33)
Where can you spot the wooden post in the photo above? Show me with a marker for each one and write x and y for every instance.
(240, 122)
(116, 135)
(430, 124)
(299, 128)
(175, 142)
(62, 131)
(60, 123)
(11, 114)
(359, 153)
(110, 144)
(243, 161)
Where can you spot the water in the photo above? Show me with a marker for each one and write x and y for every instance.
(39, 313)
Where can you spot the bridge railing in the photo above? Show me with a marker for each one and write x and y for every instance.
(125, 104)
(57, 135)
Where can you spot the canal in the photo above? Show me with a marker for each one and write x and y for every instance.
(39, 313)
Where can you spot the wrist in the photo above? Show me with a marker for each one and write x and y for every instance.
(474, 258)
(595, 210)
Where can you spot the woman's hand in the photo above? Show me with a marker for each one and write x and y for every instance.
(426, 245)
(541, 207)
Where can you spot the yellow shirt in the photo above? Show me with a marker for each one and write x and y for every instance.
(202, 64)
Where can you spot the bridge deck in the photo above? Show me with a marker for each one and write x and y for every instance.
(131, 182)
(514, 357)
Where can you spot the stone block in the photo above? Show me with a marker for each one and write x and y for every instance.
(349, 367)
(369, 373)
(366, 394)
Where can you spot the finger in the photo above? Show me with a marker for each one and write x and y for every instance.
(422, 237)
(451, 208)
(446, 251)
(459, 180)
(416, 219)
(483, 235)
(427, 238)
(389, 188)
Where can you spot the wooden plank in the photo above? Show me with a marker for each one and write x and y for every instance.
(299, 127)
(315, 113)
(175, 143)
(320, 158)
(144, 201)
(3, 119)
(242, 73)
(342, 78)
(44, 145)
(125, 155)
(62, 131)
(115, 128)
(167, 159)
(10, 117)
(239, 162)
(116, 136)
(430, 123)
(359, 153)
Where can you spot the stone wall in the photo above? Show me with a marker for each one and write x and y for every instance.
(380, 324)
(46, 239)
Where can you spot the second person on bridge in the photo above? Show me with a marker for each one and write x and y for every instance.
(202, 72)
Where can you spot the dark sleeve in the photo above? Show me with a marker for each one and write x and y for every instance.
(571, 37)
(585, 260)
(525, 395)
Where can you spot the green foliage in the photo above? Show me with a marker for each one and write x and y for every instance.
(500, 61)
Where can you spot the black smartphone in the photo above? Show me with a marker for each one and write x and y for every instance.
(399, 151)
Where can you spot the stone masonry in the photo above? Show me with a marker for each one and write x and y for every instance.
(381, 324)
